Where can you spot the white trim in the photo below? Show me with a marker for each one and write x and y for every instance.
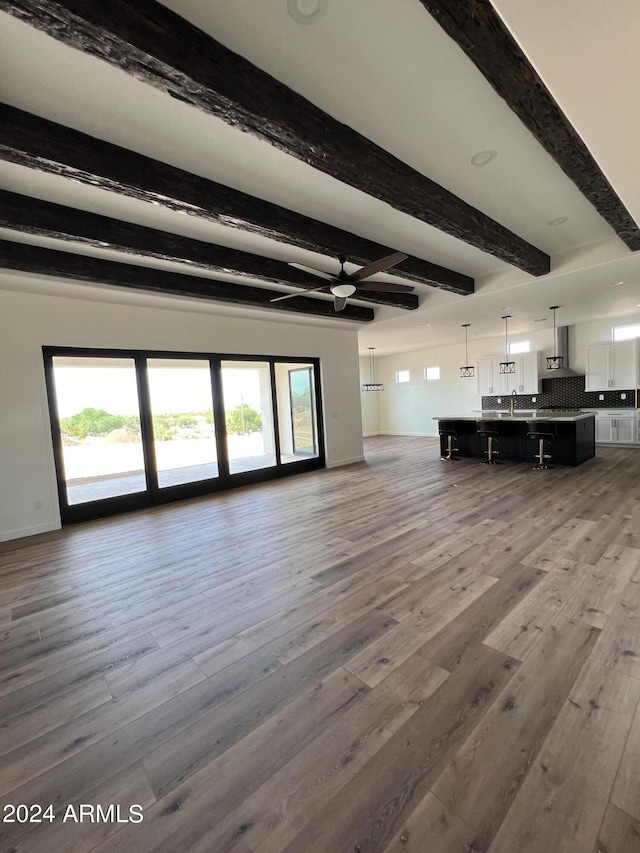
(21, 532)
(340, 462)
(417, 434)
(370, 434)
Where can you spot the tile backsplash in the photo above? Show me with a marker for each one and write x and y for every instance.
(566, 393)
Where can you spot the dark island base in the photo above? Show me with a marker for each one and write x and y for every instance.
(573, 445)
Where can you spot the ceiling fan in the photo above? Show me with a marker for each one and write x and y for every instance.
(344, 285)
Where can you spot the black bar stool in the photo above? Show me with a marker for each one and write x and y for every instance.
(544, 433)
(449, 430)
(489, 430)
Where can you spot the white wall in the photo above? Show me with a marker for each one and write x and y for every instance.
(29, 320)
(409, 409)
(594, 332)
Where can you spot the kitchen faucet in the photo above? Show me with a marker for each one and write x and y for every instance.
(512, 406)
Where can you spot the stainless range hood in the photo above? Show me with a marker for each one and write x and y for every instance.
(562, 348)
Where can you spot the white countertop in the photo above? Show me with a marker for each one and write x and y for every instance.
(519, 416)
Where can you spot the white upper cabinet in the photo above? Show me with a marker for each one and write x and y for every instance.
(598, 373)
(527, 373)
(525, 380)
(612, 366)
(624, 368)
(488, 377)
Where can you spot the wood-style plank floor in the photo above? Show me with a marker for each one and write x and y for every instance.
(400, 655)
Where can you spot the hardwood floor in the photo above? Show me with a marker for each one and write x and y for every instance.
(402, 655)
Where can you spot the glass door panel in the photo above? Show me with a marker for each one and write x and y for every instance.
(182, 418)
(99, 421)
(297, 416)
(248, 412)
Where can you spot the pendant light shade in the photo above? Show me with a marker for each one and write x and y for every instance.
(555, 362)
(468, 370)
(507, 366)
(372, 384)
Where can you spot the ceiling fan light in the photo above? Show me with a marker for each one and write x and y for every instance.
(306, 12)
(343, 290)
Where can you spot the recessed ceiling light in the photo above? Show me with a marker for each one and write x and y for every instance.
(560, 220)
(484, 157)
(616, 284)
(541, 320)
(306, 12)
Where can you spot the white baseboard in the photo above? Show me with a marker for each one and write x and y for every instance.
(340, 462)
(416, 434)
(21, 532)
(370, 434)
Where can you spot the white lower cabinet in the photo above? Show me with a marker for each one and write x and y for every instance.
(616, 427)
(604, 429)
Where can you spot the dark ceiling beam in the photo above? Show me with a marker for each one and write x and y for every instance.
(477, 28)
(46, 219)
(50, 262)
(41, 144)
(156, 45)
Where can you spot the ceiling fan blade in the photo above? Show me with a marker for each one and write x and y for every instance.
(311, 270)
(378, 266)
(385, 287)
(339, 302)
(299, 293)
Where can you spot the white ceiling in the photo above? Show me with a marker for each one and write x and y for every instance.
(387, 70)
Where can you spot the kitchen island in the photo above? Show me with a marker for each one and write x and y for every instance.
(573, 444)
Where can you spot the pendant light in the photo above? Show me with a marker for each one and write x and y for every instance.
(507, 366)
(372, 385)
(468, 369)
(555, 362)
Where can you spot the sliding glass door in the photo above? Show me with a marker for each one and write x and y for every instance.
(297, 412)
(248, 415)
(132, 429)
(302, 412)
(181, 405)
(99, 423)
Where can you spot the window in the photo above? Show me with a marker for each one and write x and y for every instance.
(518, 346)
(402, 376)
(132, 429)
(431, 373)
(626, 333)
(98, 416)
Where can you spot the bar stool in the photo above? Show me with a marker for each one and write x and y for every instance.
(448, 430)
(488, 430)
(544, 434)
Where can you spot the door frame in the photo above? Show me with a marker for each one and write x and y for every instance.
(153, 495)
(314, 438)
